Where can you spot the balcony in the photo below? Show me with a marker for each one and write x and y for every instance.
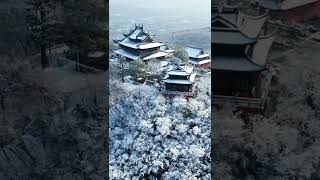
(177, 93)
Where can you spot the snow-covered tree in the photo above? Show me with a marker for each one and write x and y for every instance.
(154, 137)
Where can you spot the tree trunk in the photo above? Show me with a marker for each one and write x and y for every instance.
(44, 58)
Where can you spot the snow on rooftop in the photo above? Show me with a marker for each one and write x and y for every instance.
(194, 52)
(180, 70)
(138, 45)
(180, 81)
(165, 48)
(203, 56)
(156, 55)
(134, 39)
(169, 51)
(128, 43)
(126, 54)
(135, 33)
(178, 73)
(142, 37)
(150, 45)
(185, 68)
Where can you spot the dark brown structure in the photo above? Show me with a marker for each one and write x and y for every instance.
(237, 72)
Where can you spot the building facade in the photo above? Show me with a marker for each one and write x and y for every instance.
(239, 55)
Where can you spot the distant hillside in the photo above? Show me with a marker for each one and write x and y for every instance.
(198, 37)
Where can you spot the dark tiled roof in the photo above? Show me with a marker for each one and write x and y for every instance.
(270, 4)
(230, 37)
(243, 64)
(137, 38)
(225, 29)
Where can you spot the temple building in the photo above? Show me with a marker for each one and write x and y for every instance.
(198, 58)
(169, 51)
(179, 80)
(240, 51)
(291, 10)
(138, 44)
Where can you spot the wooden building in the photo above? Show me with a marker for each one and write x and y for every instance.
(138, 44)
(291, 10)
(198, 58)
(179, 80)
(239, 58)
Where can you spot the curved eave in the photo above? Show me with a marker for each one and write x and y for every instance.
(236, 64)
(218, 17)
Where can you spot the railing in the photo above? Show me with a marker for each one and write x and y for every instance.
(255, 103)
(177, 93)
(244, 102)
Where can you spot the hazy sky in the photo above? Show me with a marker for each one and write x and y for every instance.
(191, 7)
(161, 17)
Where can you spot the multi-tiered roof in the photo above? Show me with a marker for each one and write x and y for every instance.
(240, 46)
(233, 40)
(180, 75)
(138, 38)
(139, 44)
(179, 80)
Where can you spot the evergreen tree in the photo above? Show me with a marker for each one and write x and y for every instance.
(40, 21)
